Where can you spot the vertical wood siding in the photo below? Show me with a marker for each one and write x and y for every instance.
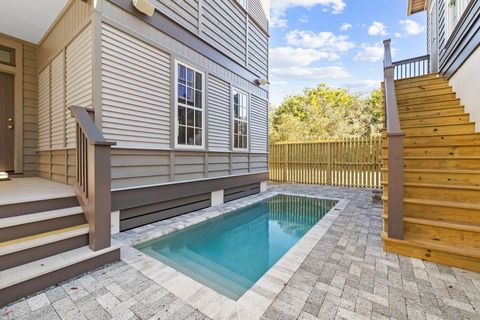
(30, 111)
(136, 86)
(57, 103)
(258, 124)
(78, 79)
(257, 51)
(44, 109)
(185, 12)
(75, 17)
(224, 26)
(218, 114)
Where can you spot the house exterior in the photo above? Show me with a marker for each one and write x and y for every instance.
(146, 116)
(431, 142)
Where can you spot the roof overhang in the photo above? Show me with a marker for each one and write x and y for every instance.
(29, 20)
(415, 6)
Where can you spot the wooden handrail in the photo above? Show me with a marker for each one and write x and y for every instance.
(395, 149)
(412, 67)
(93, 178)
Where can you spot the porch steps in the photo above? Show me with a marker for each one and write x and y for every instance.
(441, 176)
(31, 239)
(31, 277)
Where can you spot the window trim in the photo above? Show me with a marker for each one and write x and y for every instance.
(450, 30)
(232, 109)
(12, 52)
(175, 104)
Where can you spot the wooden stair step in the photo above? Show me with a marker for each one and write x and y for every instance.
(448, 192)
(435, 120)
(31, 277)
(442, 111)
(440, 210)
(439, 151)
(422, 130)
(23, 250)
(424, 78)
(423, 100)
(452, 139)
(421, 87)
(434, 176)
(462, 257)
(35, 223)
(401, 95)
(441, 224)
(425, 106)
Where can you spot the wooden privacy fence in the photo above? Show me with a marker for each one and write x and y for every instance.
(352, 162)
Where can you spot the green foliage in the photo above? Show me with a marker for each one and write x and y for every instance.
(326, 113)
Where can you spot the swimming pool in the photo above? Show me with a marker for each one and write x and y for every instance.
(231, 252)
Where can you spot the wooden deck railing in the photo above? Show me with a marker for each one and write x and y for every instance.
(349, 163)
(413, 67)
(93, 183)
(395, 149)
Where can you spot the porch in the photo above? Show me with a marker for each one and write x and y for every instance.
(31, 189)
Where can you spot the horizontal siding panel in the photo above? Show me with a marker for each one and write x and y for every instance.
(258, 125)
(257, 51)
(256, 11)
(79, 72)
(219, 131)
(136, 91)
(30, 110)
(184, 13)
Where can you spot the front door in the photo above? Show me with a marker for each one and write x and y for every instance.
(6, 122)
(433, 35)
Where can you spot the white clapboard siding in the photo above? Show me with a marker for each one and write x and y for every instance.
(257, 51)
(218, 114)
(44, 109)
(259, 124)
(79, 79)
(57, 132)
(136, 86)
(256, 10)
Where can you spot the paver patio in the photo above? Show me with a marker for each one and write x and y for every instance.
(346, 276)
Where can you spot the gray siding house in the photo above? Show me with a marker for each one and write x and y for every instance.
(113, 117)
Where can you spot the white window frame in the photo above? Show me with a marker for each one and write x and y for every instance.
(234, 89)
(243, 3)
(459, 8)
(176, 104)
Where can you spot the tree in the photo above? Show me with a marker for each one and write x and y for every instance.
(326, 113)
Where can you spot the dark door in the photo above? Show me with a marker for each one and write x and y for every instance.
(6, 122)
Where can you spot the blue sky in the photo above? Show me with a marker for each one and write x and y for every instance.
(338, 42)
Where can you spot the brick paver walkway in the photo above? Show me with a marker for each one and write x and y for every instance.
(346, 276)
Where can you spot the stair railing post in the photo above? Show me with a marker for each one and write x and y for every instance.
(395, 150)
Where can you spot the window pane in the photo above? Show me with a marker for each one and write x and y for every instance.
(236, 98)
(190, 117)
(182, 71)
(198, 119)
(190, 136)
(244, 114)
(190, 73)
(181, 115)
(236, 111)
(244, 128)
(198, 99)
(181, 135)
(182, 93)
(244, 142)
(198, 137)
(198, 81)
(190, 96)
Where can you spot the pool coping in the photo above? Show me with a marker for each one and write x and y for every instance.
(255, 301)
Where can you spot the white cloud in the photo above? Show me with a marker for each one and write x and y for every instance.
(346, 26)
(363, 86)
(411, 27)
(377, 29)
(371, 52)
(303, 19)
(310, 73)
(288, 56)
(325, 41)
(336, 6)
(278, 8)
(398, 35)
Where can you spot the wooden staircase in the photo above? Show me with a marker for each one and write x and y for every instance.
(43, 243)
(441, 175)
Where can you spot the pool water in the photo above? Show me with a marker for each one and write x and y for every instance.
(231, 252)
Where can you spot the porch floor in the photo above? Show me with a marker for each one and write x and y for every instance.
(346, 276)
(19, 190)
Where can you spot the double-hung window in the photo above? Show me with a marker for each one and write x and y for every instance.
(455, 10)
(189, 106)
(240, 120)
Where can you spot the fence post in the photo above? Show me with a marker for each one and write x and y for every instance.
(329, 163)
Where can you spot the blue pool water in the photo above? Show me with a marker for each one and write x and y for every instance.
(231, 252)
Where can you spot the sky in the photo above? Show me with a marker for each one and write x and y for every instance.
(338, 42)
